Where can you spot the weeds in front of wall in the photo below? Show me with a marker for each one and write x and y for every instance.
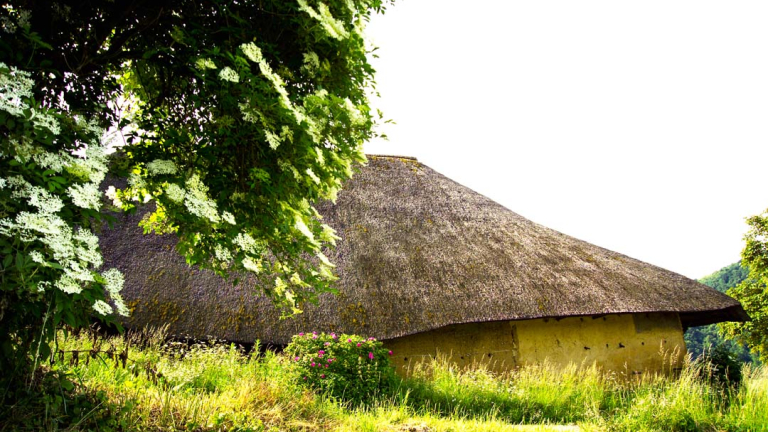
(212, 386)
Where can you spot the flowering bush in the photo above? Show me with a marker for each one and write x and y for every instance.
(348, 367)
(51, 164)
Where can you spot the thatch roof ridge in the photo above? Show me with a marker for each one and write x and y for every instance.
(379, 156)
(419, 252)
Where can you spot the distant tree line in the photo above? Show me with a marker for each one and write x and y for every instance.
(708, 338)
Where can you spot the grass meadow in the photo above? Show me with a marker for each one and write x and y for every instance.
(172, 386)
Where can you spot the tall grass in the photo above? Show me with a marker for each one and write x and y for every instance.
(212, 387)
(691, 401)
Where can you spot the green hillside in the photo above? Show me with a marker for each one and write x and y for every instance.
(727, 277)
(697, 339)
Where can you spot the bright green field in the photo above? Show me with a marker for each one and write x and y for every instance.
(174, 387)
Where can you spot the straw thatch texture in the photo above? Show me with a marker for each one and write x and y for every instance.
(419, 252)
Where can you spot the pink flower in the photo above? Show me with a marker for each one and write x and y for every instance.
(313, 364)
(326, 366)
(371, 339)
(296, 359)
(301, 334)
(321, 352)
(305, 377)
(370, 355)
(320, 355)
(359, 344)
(390, 353)
(333, 335)
(314, 333)
(349, 340)
(327, 343)
(314, 336)
(330, 360)
(322, 376)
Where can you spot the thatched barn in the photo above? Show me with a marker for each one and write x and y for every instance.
(431, 267)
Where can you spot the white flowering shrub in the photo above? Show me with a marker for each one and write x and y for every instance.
(49, 206)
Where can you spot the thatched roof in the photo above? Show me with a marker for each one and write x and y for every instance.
(419, 252)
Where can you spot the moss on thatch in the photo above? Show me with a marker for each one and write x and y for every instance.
(419, 252)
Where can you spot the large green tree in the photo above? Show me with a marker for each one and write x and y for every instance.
(238, 116)
(752, 292)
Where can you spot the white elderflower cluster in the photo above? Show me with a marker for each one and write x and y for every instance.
(46, 121)
(228, 217)
(37, 257)
(111, 193)
(94, 165)
(222, 254)
(160, 167)
(205, 63)
(114, 282)
(43, 285)
(15, 85)
(24, 150)
(197, 201)
(246, 243)
(252, 51)
(101, 307)
(85, 195)
(229, 74)
(175, 192)
(30, 225)
(40, 198)
(87, 247)
(333, 27)
(68, 285)
(52, 161)
(253, 265)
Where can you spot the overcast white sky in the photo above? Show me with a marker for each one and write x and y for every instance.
(641, 127)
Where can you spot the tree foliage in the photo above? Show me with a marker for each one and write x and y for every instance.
(238, 116)
(708, 339)
(727, 277)
(752, 291)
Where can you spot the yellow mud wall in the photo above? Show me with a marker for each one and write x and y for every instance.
(630, 343)
(493, 344)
